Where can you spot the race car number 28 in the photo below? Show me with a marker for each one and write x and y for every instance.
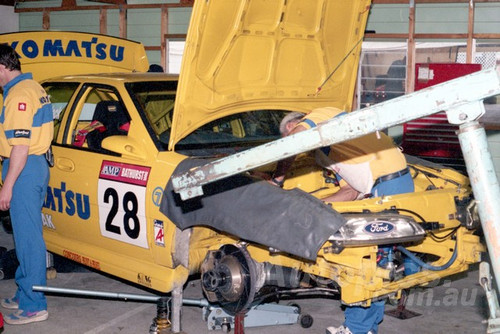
(122, 212)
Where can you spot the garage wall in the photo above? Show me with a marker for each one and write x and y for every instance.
(446, 18)
(144, 25)
(486, 18)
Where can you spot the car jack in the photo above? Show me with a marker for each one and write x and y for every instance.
(401, 312)
(268, 314)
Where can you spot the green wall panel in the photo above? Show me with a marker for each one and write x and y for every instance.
(441, 18)
(144, 26)
(30, 21)
(388, 19)
(154, 57)
(87, 21)
(487, 18)
(113, 22)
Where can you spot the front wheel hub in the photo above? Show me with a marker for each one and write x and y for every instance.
(229, 277)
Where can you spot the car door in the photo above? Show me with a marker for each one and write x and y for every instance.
(95, 199)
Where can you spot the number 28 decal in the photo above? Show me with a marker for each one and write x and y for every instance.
(122, 212)
(131, 223)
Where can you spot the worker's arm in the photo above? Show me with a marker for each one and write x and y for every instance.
(285, 164)
(345, 193)
(17, 161)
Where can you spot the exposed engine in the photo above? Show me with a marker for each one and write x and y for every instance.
(233, 279)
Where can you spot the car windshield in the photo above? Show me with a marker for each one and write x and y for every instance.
(223, 136)
(233, 133)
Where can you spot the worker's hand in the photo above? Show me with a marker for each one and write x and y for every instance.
(277, 181)
(5, 198)
(259, 174)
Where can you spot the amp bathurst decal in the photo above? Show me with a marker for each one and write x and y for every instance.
(122, 196)
(124, 173)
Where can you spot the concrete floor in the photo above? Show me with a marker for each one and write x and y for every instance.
(457, 305)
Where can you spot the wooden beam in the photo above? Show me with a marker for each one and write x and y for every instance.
(377, 2)
(103, 21)
(470, 34)
(442, 36)
(386, 36)
(46, 20)
(98, 7)
(123, 22)
(68, 3)
(114, 2)
(487, 36)
(163, 33)
(411, 52)
(433, 36)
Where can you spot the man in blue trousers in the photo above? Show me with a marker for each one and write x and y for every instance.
(369, 166)
(26, 131)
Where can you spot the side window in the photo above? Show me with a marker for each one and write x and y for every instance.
(101, 114)
(158, 107)
(60, 94)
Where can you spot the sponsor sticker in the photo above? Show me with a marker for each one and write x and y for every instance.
(159, 233)
(125, 173)
(144, 279)
(156, 196)
(82, 259)
(47, 221)
(121, 193)
(22, 133)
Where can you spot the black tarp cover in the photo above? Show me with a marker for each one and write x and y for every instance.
(291, 221)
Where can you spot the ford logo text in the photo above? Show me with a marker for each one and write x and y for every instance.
(378, 228)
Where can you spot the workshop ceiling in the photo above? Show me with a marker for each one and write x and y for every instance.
(113, 2)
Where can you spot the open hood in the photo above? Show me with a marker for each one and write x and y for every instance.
(261, 54)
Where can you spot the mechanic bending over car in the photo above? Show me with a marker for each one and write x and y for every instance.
(26, 131)
(368, 166)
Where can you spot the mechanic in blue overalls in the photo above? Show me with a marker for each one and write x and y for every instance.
(26, 131)
(367, 166)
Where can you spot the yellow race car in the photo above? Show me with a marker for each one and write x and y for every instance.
(119, 137)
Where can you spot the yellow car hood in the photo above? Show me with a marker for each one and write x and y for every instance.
(267, 54)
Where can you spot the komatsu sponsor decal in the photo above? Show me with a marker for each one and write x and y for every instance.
(124, 173)
(47, 221)
(60, 199)
(92, 48)
(47, 54)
